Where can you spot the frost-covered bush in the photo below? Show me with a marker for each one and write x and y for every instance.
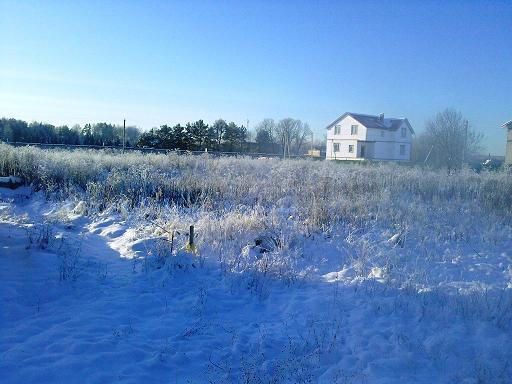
(320, 192)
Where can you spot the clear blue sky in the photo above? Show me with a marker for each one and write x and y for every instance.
(156, 62)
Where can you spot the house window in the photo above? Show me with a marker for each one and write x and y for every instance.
(337, 130)
(381, 133)
(402, 149)
(351, 149)
(404, 132)
(336, 147)
(353, 130)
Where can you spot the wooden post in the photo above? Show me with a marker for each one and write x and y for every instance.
(191, 236)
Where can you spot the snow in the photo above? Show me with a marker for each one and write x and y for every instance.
(84, 299)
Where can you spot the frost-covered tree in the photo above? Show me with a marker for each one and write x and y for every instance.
(302, 132)
(448, 141)
(292, 134)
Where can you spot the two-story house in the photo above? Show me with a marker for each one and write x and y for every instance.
(354, 136)
(508, 150)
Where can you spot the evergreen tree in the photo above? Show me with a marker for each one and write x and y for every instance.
(198, 133)
(217, 134)
(231, 136)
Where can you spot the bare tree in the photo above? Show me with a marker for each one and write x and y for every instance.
(285, 132)
(449, 141)
(302, 132)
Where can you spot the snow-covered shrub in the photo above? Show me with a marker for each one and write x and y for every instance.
(40, 235)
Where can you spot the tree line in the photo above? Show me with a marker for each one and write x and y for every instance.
(198, 136)
(104, 134)
(287, 136)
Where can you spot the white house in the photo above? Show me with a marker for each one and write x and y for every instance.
(354, 136)
(508, 150)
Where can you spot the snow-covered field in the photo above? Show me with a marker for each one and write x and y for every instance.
(304, 272)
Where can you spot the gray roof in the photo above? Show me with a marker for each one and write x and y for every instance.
(508, 124)
(373, 121)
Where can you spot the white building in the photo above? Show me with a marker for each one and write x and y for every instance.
(508, 150)
(354, 136)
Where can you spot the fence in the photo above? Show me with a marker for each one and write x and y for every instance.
(153, 150)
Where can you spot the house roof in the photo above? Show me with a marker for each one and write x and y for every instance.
(508, 124)
(372, 121)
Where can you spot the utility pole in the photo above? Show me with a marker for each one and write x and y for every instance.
(248, 138)
(124, 134)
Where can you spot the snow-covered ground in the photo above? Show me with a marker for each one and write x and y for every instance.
(95, 299)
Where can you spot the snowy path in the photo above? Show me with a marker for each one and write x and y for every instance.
(112, 321)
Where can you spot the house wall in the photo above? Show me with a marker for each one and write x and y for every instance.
(345, 126)
(391, 151)
(403, 140)
(343, 154)
(374, 134)
(369, 150)
(387, 147)
(344, 138)
(384, 150)
(406, 156)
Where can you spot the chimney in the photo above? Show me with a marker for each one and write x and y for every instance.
(381, 117)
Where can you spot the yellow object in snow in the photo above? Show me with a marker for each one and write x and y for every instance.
(191, 248)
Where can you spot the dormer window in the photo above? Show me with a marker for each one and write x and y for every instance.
(353, 130)
(404, 132)
(337, 130)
